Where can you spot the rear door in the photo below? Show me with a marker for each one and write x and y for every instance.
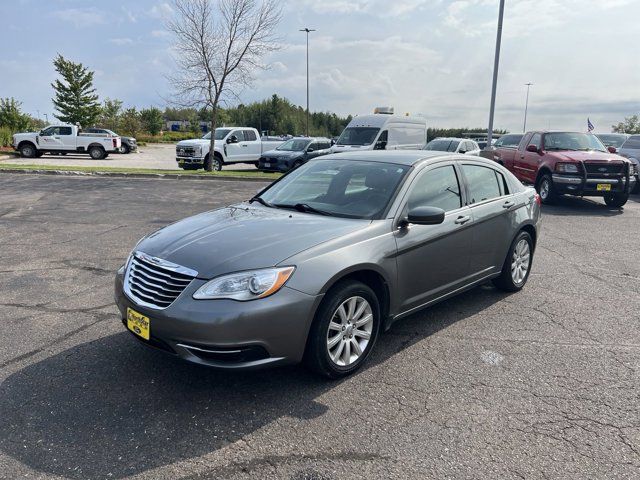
(67, 138)
(434, 259)
(526, 163)
(493, 209)
(252, 150)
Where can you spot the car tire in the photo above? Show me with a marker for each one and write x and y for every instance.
(517, 264)
(27, 150)
(616, 200)
(636, 187)
(96, 153)
(125, 149)
(337, 321)
(546, 190)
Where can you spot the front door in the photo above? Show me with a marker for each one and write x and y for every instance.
(235, 151)
(434, 259)
(527, 162)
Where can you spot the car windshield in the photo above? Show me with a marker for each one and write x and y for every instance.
(358, 136)
(220, 134)
(294, 145)
(341, 188)
(572, 141)
(442, 145)
(612, 140)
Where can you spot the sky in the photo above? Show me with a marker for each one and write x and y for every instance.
(424, 57)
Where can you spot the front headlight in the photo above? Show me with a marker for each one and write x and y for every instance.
(567, 168)
(245, 286)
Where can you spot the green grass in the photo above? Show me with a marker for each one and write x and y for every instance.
(142, 171)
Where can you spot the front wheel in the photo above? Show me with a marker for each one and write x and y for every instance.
(125, 149)
(517, 265)
(546, 190)
(344, 331)
(616, 200)
(28, 150)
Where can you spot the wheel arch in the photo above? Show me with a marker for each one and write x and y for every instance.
(30, 142)
(543, 170)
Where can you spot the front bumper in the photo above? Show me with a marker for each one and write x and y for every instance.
(578, 185)
(274, 165)
(182, 161)
(225, 333)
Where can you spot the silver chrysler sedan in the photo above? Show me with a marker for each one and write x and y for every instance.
(318, 264)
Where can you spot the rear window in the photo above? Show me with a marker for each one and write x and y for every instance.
(632, 143)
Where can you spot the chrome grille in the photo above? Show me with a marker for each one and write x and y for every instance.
(185, 151)
(155, 283)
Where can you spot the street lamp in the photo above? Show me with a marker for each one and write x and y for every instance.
(307, 31)
(526, 106)
(496, 62)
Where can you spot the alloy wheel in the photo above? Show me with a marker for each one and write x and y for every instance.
(349, 331)
(520, 261)
(544, 189)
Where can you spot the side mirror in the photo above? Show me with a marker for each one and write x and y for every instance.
(532, 148)
(333, 142)
(40, 133)
(612, 149)
(462, 151)
(309, 150)
(232, 139)
(426, 216)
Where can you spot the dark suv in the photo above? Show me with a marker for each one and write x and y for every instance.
(129, 144)
(293, 153)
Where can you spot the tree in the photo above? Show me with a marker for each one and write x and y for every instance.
(11, 116)
(630, 125)
(75, 98)
(110, 114)
(130, 122)
(218, 48)
(152, 120)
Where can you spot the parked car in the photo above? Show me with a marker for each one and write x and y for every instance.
(319, 263)
(454, 145)
(382, 131)
(232, 145)
(293, 153)
(630, 149)
(62, 139)
(506, 146)
(570, 163)
(128, 144)
(612, 139)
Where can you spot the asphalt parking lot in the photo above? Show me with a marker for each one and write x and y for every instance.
(539, 384)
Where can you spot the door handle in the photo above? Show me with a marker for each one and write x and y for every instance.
(244, 145)
(57, 138)
(508, 204)
(521, 156)
(462, 219)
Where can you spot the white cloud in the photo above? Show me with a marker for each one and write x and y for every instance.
(121, 41)
(82, 17)
(160, 10)
(160, 33)
(382, 8)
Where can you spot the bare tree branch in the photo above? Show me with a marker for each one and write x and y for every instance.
(218, 45)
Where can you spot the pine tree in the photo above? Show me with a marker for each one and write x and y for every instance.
(75, 98)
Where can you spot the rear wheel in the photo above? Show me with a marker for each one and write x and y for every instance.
(344, 331)
(97, 153)
(27, 150)
(616, 200)
(125, 148)
(517, 265)
(546, 190)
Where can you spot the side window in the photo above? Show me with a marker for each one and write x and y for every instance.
(504, 188)
(482, 182)
(437, 188)
(524, 141)
(453, 146)
(313, 146)
(632, 143)
(250, 136)
(383, 141)
(65, 130)
(499, 142)
(239, 134)
(47, 132)
(535, 140)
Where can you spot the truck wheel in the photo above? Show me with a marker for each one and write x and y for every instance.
(125, 149)
(546, 190)
(97, 153)
(517, 265)
(616, 200)
(27, 150)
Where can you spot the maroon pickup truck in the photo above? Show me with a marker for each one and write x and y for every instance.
(570, 163)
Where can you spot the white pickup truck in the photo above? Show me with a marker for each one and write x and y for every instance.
(62, 139)
(232, 145)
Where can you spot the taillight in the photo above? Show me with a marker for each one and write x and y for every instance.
(538, 199)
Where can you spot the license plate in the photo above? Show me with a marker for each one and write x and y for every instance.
(603, 187)
(138, 323)
(267, 165)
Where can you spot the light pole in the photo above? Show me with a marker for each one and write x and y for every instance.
(307, 31)
(526, 106)
(496, 62)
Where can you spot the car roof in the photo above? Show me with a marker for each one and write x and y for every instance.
(400, 157)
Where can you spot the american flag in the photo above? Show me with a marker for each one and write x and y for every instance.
(590, 126)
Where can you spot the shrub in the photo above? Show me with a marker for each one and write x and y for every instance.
(5, 137)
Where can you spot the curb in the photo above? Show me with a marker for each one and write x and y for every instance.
(169, 176)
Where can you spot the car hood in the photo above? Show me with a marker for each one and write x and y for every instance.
(193, 142)
(587, 156)
(243, 237)
(281, 154)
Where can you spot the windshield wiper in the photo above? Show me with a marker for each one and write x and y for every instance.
(260, 200)
(302, 207)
